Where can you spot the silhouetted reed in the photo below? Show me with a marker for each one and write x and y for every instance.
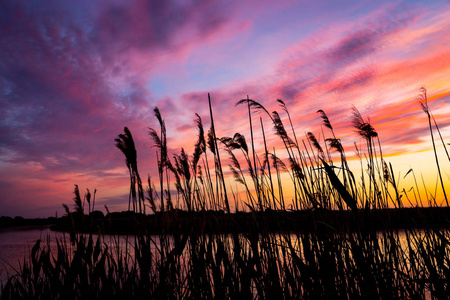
(426, 109)
(350, 248)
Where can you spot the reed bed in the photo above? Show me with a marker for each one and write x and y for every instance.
(354, 258)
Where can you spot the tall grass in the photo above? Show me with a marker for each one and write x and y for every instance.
(334, 257)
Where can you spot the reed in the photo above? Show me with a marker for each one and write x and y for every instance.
(343, 253)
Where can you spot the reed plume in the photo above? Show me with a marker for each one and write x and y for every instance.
(364, 129)
(325, 119)
(77, 199)
(125, 143)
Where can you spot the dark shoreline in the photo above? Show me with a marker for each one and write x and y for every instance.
(9, 222)
(178, 221)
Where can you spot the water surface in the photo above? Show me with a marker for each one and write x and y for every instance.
(16, 244)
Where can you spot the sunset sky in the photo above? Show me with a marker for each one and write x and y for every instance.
(74, 73)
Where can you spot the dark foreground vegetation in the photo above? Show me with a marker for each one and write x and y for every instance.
(334, 238)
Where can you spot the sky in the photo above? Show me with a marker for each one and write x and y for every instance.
(73, 74)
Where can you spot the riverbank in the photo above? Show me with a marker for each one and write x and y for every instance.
(242, 222)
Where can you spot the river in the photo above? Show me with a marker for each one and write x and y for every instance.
(15, 245)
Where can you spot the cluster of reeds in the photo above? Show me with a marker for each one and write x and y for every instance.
(353, 257)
